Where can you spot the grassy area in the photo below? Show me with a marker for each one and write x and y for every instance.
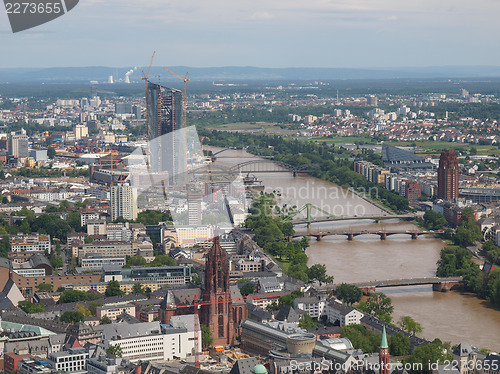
(344, 139)
(284, 264)
(246, 126)
(438, 146)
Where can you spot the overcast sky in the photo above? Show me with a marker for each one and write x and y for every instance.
(265, 33)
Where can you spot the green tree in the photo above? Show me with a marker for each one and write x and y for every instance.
(113, 289)
(51, 152)
(136, 261)
(31, 308)
(409, 325)
(72, 317)
(115, 350)
(247, 289)
(428, 354)
(362, 338)
(105, 320)
(434, 220)
(206, 336)
(399, 344)
(349, 293)
(71, 296)
(318, 272)
(45, 287)
(137, 288)
(306, 322)
(378, 305)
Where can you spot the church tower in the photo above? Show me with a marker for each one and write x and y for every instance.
(383, 358)
(217, 314)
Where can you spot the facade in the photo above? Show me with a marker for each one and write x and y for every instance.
(73, 360)
(31, 366)
(194, 199)
(97, 262)
(103, 365)
(315, 306)
(105, 249)
(148, 341)
(113, 311)
(167, 144)
(18, 146)
(448, 176)
(30, 243)
(123, 202)
(217, 315)
(412, 190)
(343, 314)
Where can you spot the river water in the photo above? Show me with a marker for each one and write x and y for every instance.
(451, 316)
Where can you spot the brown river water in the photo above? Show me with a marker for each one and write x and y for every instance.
(451, 316)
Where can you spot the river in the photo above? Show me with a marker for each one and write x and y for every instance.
(451, 316)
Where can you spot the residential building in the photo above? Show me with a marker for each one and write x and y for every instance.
(123, 202)
(33, 366)
(343, 314)
(12, 360)
(113, 311)
(95, 262)
(30, 242)
(313, 305)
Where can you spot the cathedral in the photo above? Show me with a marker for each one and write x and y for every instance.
(222, 308)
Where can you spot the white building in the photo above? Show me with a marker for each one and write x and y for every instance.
(123, 202)
(30, 242)
(313, 305)
(72, 360)
(346, 315)
(149, 341)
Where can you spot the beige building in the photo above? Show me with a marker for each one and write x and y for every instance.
(113, 311)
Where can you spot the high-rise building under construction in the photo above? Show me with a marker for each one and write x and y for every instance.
(166, 133)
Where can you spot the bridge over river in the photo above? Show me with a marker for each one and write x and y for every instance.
(438, 284)
(319, 235)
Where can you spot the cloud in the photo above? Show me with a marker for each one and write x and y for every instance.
(261, 16)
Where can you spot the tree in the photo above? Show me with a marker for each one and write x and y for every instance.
(318, 272)
(136, 261)
(399, 344)
(409, 325)
(349, 293)
(86, 312)
(31, 308)
(427, 355)
(71, 296)
(306, 322)
(147, 292)
(72, 317)
(378, 305)
(51, 152)
(113, 289)
(45, 287)
(434, 220)
(115, 350)
(61, 289)
(105, 320)
(137, 288)
(247, 289)
(206, 336)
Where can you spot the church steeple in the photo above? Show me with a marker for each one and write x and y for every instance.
(383, 358)
(217, 314)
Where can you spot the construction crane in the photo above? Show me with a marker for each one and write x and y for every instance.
(185, 80)
(197, 304)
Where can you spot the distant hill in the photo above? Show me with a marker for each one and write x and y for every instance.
(241, 73)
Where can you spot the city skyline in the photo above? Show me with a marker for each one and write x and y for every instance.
(357, 34)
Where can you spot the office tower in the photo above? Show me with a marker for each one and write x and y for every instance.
(372, 100)
(194, 198)
(81, 131)
(123, 108)
(136, 111)
(123, 202)
(448, 175)
(93, 91)
(18, 146)
(165, 133)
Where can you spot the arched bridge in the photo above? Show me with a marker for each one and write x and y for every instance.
(438, 284)
(265, 166)
(352, 234)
